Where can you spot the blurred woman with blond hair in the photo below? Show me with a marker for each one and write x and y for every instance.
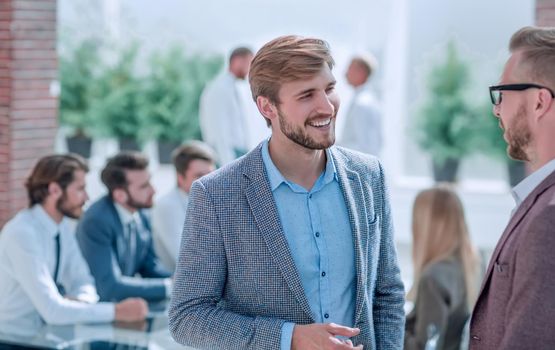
(446, 271)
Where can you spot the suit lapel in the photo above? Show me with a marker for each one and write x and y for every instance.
(515, 220)
(351, 187)
(261, 201)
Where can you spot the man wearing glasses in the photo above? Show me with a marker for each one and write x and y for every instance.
(516, 304)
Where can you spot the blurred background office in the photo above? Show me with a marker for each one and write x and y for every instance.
(120, 74)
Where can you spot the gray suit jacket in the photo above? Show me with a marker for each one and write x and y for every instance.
(441, 301)
(236, 282)
(516, 305)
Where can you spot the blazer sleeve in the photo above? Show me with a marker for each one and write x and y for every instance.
(94, 238)
(196, 318)
(389, 295)
(529, 313)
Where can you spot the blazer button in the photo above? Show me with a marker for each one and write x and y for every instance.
(475, 337)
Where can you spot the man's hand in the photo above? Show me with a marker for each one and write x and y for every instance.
(131, 310)
(321, 336)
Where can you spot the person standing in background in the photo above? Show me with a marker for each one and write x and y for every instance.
(362, 130)
(222, 114)
(446, 271)
(192, 161)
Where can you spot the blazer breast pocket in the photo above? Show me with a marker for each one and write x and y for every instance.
(501, 269)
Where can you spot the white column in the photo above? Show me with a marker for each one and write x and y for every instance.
(394, 91)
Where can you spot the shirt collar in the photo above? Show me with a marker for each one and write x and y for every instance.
(46, 222)
(276, 178)
(125, 216)
(526, 186)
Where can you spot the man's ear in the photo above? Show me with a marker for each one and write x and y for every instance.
(266, 108)
(543, 103)
(55, 190)
(119, 195)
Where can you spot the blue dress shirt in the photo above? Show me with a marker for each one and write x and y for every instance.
(317, 228)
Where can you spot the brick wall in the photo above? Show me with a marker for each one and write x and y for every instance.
(28, 113)
(545, 13)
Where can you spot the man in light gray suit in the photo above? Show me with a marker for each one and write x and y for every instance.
(290, 246)
(516, 305)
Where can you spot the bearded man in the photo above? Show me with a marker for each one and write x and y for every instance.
(290, 246)
(515, 307)
(115, 234)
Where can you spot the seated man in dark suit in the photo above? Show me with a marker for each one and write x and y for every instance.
(115, 235)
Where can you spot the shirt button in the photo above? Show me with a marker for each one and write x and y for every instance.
(309, 196)
(324, 274)
(317, 234)
(326, 316)
(475, 337)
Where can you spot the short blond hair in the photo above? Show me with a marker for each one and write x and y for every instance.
(286, 59)
(537, 46)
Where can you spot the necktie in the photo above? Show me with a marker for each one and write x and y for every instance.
(57, 268)
(131, 248)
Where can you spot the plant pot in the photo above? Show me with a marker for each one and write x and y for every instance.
(165, 149)
(446, 171)
(127, 144)
(79, 144)
(516, 170)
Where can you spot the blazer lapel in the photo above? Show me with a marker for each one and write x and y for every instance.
(261, 201)
(517, 217)
(351, 186)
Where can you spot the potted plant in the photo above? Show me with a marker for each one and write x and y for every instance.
(171, 98)
(77, 75)
(117, 100)
(445, 121)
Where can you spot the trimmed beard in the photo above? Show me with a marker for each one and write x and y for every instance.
(519, 136)
(301, 137)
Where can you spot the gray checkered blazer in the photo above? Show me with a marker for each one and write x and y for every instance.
(236, 282)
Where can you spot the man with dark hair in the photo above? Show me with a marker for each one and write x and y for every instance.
(192, 161)
(42, 272)
(222, 115)
(362, 130)
(516, 303)
(115, 236)
(290, 246)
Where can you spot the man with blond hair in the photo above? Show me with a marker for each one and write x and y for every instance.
(516, 304)
(291, 246)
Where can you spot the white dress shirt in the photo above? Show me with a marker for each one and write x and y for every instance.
(223, 118)
(362, 130)
(168, 217)
(125, 217)
(526, 186)
(28, 293)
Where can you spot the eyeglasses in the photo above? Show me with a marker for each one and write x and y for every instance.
(496, 95)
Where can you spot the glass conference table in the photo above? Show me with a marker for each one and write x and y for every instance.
(152, 334)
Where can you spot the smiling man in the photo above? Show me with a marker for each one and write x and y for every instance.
(291, 246)
(516, 305)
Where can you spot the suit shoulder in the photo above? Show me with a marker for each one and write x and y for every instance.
(357, 160)
(98, 212)
(226, 175)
